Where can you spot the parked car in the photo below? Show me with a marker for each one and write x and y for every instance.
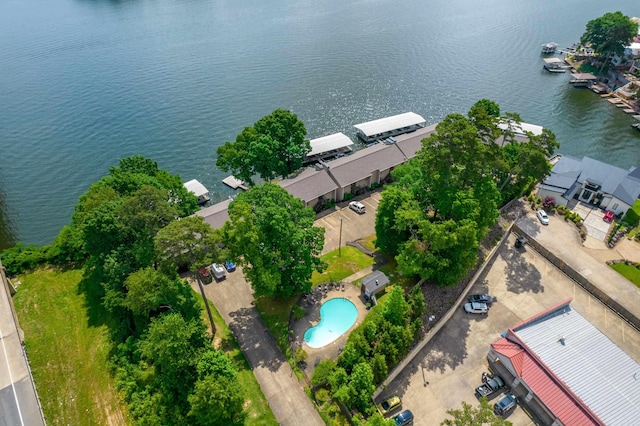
(476, 308)
(505, 404)
(218, 272)
(492, 385)
(390, 404)
(403, 418)
(205, 275)
(481, 298)
(542, 215)
(229, 265)
(357, 207)
(609, 216)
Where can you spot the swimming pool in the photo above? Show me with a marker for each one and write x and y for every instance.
(336, 317)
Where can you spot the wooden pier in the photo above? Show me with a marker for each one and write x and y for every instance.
(234, 183)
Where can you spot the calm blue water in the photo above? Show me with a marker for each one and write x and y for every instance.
(336, 317)
(86, 82)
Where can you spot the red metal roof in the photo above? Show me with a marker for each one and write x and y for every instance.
(565, 405)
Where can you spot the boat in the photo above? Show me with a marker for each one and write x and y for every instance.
(549, 48)
(554, 65)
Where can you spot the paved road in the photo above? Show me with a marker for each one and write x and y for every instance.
(18, 398)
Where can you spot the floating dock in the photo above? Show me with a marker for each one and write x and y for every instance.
(234, 183)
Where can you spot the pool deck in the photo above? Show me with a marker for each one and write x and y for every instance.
(312, 318)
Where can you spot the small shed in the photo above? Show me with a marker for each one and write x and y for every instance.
(373, 283)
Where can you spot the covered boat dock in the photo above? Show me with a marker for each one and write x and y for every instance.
(325, 147)
(198, 189)
(554, 65)
(582, 79)
(376, 130)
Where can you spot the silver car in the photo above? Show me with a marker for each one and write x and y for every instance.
(476, 308)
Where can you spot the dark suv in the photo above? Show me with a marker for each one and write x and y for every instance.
(505, 404)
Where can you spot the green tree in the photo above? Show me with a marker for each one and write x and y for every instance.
(396, 308)
(187, 244)
(609, 34)
(172, 345)
(149, 292)
(217, 396)
(273, 237)
(389, 236)
(378, 420)
(275, 146)
(469, 415)
(361, 384)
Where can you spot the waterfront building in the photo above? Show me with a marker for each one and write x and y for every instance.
(383, 128)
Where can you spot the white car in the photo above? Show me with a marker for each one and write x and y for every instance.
(542, 215)
(476, 308)
(357, 207)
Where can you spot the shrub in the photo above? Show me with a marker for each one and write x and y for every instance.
(300, 355)
(299, 312)
(549, 202)
(347, 197)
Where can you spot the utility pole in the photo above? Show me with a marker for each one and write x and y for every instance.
(206, 305)
(340, 240)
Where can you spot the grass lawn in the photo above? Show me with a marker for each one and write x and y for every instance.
(68, 352)
(257, 407)
(630, 272)
(341, 264)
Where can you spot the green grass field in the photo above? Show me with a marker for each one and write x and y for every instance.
(68, 347)
(630, 272)
(68, 356)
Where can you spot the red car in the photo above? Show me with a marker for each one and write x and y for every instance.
(608, 216)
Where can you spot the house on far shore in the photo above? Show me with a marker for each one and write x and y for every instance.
(592, 181)
(373, 283)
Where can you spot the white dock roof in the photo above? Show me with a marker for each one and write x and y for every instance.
(387, 124)
(521, 128)
(584, 76)
(329, 143)
(196, 187)
(553, 60)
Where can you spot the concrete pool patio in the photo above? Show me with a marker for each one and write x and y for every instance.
(312, 318)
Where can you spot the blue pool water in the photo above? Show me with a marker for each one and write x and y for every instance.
(336, 317)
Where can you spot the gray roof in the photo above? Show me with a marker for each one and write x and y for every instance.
(329, 143)
(592, 366)
(620, 183)
(361, 164)
(310, 184)
(216, 215)
(411, 143)
(388, 124)
(369, 282)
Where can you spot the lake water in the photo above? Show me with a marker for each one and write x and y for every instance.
(86, 82)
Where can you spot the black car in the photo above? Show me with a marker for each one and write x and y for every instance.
(481, 298)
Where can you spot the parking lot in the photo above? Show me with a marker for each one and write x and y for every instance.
(450, 367)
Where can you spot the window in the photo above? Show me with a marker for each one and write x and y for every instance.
(615, 207)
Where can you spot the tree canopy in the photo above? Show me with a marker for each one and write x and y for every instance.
(275, 146)
(273, 237)
(481, 415)
(610, 33)
(446, 198)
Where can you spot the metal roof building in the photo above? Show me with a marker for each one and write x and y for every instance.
(390, 126)
(198, 189)
(328, 146)
(568, 371)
